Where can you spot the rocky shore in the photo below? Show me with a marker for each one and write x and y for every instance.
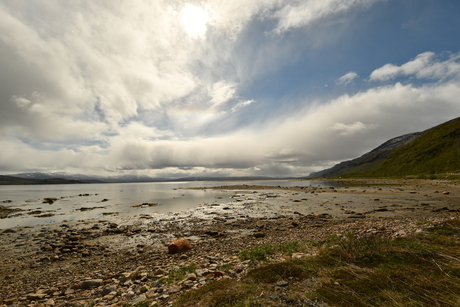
(114, 262)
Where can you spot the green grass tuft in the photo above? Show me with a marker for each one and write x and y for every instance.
(178, 273)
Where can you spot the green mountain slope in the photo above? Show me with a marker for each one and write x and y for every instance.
(369, 160)
(436, 151)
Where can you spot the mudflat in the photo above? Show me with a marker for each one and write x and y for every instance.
(113, 262)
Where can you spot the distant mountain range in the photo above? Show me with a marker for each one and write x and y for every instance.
(67, 178)
(18, 180)
(433, 151)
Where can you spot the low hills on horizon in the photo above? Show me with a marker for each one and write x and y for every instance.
(67, 178)
(435, 151)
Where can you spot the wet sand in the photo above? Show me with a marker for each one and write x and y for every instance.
(46, 265)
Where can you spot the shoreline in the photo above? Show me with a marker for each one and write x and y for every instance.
(52, 261)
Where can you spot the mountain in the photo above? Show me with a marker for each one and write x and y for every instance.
(437, 151)
(60, 175)
(369, 160)
(39, 178)
(434, 151)
(17, 180)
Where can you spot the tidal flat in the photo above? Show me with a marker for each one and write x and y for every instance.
(126, 256)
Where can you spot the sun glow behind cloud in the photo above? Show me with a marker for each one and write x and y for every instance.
(194, 19)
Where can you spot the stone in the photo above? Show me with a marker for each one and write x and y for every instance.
(191, 276)
(173, 289)
(108, 290)
(35, 296)
(159, 271)
(218, 273)
(143, 289)
(91, 283)
(299, 256)
(109, 297)
(10, 301)
(132, 275)
(259, 235)
(282, 283)
(179, 246)
(141, 298)
(150, 294)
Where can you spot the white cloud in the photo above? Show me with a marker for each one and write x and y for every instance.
(222, 92)
(350, 129)
(242, 104)
(347, 78)
(425, 65)
(305, 12)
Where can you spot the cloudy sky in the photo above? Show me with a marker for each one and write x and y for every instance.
(219, 87)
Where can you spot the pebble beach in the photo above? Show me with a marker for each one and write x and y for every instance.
(115, 261)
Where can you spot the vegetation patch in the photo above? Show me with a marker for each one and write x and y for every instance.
(176, 274)
(286, 270)
(348, 270)
(262, 252)
(224, 293)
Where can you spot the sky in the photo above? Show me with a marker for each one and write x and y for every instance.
(219, 87)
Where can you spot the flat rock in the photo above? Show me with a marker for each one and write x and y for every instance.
(91, 283)
(35, 296)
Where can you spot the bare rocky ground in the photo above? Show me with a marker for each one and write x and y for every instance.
(118, 262)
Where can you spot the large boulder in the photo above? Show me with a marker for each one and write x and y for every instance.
(179, 246)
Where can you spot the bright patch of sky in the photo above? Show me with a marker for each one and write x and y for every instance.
(202, 88)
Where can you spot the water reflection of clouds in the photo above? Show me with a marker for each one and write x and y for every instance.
(121, 197)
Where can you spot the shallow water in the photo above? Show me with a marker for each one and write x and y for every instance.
(86, 201)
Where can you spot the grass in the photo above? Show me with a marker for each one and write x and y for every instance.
(225, 293)
(263, 252)
(348, 270)
(416, 271)
(281, 271)
(176, 274)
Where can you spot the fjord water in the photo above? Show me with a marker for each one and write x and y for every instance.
(85, 201)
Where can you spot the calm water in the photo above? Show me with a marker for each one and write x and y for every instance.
(115, 199)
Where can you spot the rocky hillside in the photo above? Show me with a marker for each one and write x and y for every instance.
(369, 160)
(434, 151)
(437, 151)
